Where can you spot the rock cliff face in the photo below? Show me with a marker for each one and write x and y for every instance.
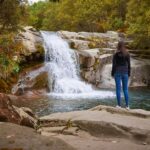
(95, 51)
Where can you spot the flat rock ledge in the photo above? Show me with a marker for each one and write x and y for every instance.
(102, 127)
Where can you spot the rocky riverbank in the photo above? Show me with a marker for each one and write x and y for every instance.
(102, 127)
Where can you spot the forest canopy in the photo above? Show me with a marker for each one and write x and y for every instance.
(129, 16)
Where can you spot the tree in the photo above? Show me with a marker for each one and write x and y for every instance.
(11, 14)
(138, 22)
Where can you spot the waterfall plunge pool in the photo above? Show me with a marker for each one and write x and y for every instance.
(139, 99)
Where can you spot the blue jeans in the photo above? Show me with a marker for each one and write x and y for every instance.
(124, 78)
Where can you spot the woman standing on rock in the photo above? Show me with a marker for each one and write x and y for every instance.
(121, 72)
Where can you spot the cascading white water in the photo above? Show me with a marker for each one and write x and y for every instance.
(61, 64)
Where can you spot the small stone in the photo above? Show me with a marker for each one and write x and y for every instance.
(114, 141)
(144, 143)
(10, 136)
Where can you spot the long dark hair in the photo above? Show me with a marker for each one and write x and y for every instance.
(121, 48)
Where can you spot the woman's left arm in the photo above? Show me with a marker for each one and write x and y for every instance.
(129, 65)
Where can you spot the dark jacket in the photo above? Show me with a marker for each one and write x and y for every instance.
(121, 63)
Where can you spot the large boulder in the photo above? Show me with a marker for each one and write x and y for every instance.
(140, 73)
(92, 61)
(30, 38)
(7, 112)
(87, 57)
(33, 79)
(11, 113)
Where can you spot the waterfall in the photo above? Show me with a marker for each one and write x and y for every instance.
(61, 64)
